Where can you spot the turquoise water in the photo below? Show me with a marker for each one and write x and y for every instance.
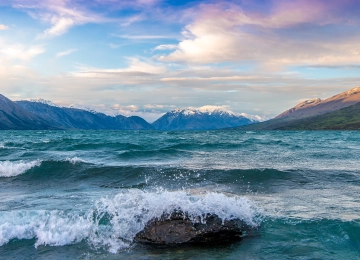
(85, 194)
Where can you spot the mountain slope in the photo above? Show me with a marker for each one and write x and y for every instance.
(74, 118)
(331, 113)
(347, 118)
(317, 106)
(200, 119)
(13, 116)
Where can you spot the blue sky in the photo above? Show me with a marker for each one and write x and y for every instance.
(145, 57)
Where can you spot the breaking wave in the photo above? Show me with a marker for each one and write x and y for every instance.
(10, 169)
(75, 160)
(112, 223)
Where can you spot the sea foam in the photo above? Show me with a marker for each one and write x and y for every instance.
(113, 222)
(10, 169)
(74, 160)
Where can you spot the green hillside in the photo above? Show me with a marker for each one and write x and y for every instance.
(347, 118)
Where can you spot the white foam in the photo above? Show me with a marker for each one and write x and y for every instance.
(131, 210)
(113, 222)
(49, 227)
(75, 160)
(10, 169)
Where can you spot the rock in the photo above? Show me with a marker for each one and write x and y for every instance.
(179, 228)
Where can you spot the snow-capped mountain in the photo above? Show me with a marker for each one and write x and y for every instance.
(84, 108)
(50, 103)
(43, 101)
(206, 117)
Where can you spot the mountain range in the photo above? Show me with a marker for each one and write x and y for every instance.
(204, 118)
(337, 112)
(42, 114)
(341, 111)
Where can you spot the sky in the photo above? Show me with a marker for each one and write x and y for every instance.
(146, 57)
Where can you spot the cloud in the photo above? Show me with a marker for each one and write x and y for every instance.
(136, 68)
(146, 95)
(14, 51)
(114, 46)
(60, 26)
(125, 110)
(64, 53)
(143, 37)
(292, 33)
(61, 14)
(116, 4)
(165, 47)
(132, 110)
(153, 106)
(3, 27)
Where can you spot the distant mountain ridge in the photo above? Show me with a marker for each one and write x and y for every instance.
(44, 114)
(13, 116)
(204, 118)
(74, 118)
(337, 112)
(347, 118)
(318, 106)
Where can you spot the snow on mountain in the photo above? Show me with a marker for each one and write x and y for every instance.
(50, 103)
(206, 117)
(43, 101)
(209, 110)
(255, 117)
(84, 108)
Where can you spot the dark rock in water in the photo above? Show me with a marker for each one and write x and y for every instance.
(179, 228)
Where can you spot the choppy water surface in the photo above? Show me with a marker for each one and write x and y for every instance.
(85, 194)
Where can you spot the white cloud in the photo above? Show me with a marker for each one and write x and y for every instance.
(165, 47)
(19, 51)
(60, 26)
(142, 37)
(64, 53)
(136, 68)
(61, 14)
(114, 46)
(3, 27)
(153, 106)
(130, 108)
(225, 32)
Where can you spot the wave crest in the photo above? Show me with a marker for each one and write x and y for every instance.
(74, 160)
(11, 169)
(113, 222)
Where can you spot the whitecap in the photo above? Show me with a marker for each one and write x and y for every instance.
(112, 223)
(75, 160)
(10, 169)
(128, 212)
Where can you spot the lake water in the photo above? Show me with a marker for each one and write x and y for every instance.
(85, 194)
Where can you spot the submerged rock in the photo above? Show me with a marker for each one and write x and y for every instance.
(178, 228)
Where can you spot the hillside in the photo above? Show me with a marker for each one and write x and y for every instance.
(74, 118)
(347, 118)
(314, 107)
(338, 112)
(13, 116)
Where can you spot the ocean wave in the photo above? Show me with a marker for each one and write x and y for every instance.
(11, 169)
(113, 222)
(75, 160)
